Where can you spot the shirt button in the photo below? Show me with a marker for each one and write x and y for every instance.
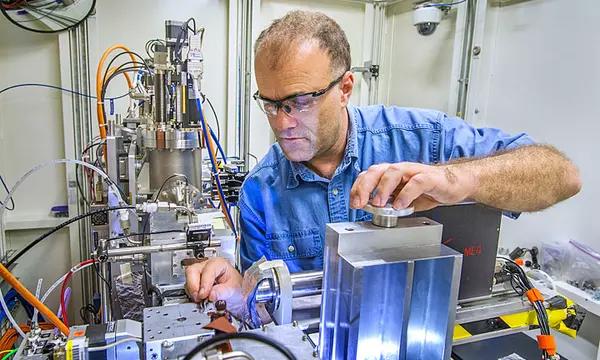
(335, 192)
(291, 248)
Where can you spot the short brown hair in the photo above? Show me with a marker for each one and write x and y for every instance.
(298, 26)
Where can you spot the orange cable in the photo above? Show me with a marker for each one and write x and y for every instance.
(30, 298)
(99, 84)
(211, 148)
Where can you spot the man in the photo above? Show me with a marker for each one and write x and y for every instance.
(332, 158)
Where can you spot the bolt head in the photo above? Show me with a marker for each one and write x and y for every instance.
(221, 305)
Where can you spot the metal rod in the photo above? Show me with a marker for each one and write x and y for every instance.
(134, 250)
(304, 284)
(105, 293)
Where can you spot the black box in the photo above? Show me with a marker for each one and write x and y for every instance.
(472, 230)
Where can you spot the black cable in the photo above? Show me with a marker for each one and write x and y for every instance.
(216, 117)
(4, 9)
(88, 309)
(55, 229)
(150, 44)
(57, 88)
(187, 182)
(218, 339)
(95, 266)
(145, 234)
(194, 21)
(130, 62)
(521, 284)
(12, 201)
(112, 76)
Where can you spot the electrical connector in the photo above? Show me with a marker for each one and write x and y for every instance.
(195, 59)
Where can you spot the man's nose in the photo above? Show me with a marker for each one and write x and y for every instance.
(282, 121)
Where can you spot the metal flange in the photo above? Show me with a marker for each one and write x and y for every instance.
(387, 216)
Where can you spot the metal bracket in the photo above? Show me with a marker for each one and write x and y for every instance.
(281, 309)
(369, 70)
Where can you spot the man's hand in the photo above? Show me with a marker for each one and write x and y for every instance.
(214, 279)
(411, 184)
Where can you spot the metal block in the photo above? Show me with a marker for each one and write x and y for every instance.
(473, 230)
(173, 331)
(289, 335)
(388, 293)
(166, 266)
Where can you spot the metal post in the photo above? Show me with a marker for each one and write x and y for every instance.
(75, 55)
(105, 297)
(245, 59)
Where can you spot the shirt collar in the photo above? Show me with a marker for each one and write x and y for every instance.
(299, 170)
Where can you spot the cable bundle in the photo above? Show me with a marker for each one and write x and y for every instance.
(522, 286)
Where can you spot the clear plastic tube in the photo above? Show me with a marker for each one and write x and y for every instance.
(11, 193)
(59, 281)
(42, 166)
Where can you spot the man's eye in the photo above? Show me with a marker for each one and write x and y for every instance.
(302, 102)
(269, 107)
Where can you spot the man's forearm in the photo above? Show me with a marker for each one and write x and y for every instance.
(529, 178)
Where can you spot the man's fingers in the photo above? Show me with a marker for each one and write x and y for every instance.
(365, 184)
(224, 291)
(212, 271)
(193, 274)
(415, 187)
(390, 180)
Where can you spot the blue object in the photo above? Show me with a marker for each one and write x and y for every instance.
(11, 299)
(284, 205)
(213, 162)
(216, 139)
(60, 211)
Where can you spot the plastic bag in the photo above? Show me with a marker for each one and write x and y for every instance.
(584, 267)
(555, 259)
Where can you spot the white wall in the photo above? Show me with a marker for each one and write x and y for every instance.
(416, 69)
(543, 78)
(350, 16)
(31, 133)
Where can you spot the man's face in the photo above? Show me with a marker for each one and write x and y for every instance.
(311, 133)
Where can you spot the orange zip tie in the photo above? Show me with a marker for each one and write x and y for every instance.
(534, 295)
(547, 343)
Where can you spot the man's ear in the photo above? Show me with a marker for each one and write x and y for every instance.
(347, 84)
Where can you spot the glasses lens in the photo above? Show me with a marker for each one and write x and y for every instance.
(299, 104)
(267, 107)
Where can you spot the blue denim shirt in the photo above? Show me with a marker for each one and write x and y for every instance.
(284, 205)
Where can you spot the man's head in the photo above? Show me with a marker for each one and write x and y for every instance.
(304, 53)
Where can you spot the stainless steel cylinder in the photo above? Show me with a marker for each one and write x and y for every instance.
(385, 221)
(164, 163)
(387, 216)
(304, 284)
(105, 293)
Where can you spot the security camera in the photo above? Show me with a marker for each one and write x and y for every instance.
(426, 18)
